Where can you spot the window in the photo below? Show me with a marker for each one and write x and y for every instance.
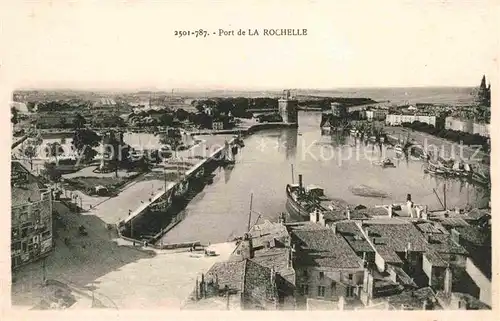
(350, 276)
(349, 292)
(304, 289)
(305, 273)
(321, 291)
(321, 275)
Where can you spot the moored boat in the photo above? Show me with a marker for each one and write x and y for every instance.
(302, 201)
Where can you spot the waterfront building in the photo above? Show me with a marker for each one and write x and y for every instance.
(288, 108)
(399, 119)
(458, 124)
(482, 129)
(31, 217)
(375, 114)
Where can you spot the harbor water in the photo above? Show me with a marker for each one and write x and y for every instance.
(341, 165)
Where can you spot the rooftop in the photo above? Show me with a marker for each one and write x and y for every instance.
(351, 233)
(475, 235)
(322, 247)
(396, 237)
(412, 299)
(25, 186)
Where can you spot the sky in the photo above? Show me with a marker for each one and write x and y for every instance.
(119, 44)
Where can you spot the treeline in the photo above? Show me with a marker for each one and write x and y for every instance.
(238, 106)
(57, 106)
(325, 103)
(453, 135)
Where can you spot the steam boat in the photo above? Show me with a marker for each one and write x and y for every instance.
(302, 201)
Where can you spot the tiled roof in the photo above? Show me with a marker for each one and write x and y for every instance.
(435, 259)
(228, 273)
(477, 213)
(451, 221)
(268, 232)
(276, 258)
(411, 299)
(247, 276)
(442, 243)
(324, 248)
(258, 283)
(396, 237)
(431, 227)
(389, 256)
(351, 233)
(475, 235)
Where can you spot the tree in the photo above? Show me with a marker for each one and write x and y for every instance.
(14, 119)
(119, 150)
(51, 172)
(79, 122)
(29, 151)
(483, 96)
(166, 119)
(181, 114)
(55, 149)
(84, 141)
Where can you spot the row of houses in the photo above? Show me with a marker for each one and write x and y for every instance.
(467, 126)
(345, 261)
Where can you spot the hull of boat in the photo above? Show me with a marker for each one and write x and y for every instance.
(295, 209)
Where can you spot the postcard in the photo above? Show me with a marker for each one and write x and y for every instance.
(245, 156)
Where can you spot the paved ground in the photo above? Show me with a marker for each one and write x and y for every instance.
(120, 275)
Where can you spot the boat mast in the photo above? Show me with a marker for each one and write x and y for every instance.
(250, 213)
(439, 199)
(444, 195)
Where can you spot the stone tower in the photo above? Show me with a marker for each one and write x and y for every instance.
(288, 108)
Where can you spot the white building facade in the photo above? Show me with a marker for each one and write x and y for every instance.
(398, 119)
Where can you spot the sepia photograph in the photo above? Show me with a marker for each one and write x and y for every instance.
(296, 156)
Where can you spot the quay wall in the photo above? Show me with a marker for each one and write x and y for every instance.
(167, 194)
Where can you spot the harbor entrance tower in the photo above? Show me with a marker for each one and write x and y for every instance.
(288, 108)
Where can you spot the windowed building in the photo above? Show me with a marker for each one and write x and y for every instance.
(31, 217)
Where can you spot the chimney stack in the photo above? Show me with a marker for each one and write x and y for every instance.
(408, 197)
(334, 228)
(348, 213)
(300, 183)
(448, 281)
(390, 210)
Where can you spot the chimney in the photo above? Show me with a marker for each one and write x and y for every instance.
(226, 290)
(300, 183)
(273, 277)
(196, 295)
(348, 213)
(334, 228)
(341, 302)
(448, 281)
(425, 212)
(203, 293)
(390, 210)
(408, 197)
